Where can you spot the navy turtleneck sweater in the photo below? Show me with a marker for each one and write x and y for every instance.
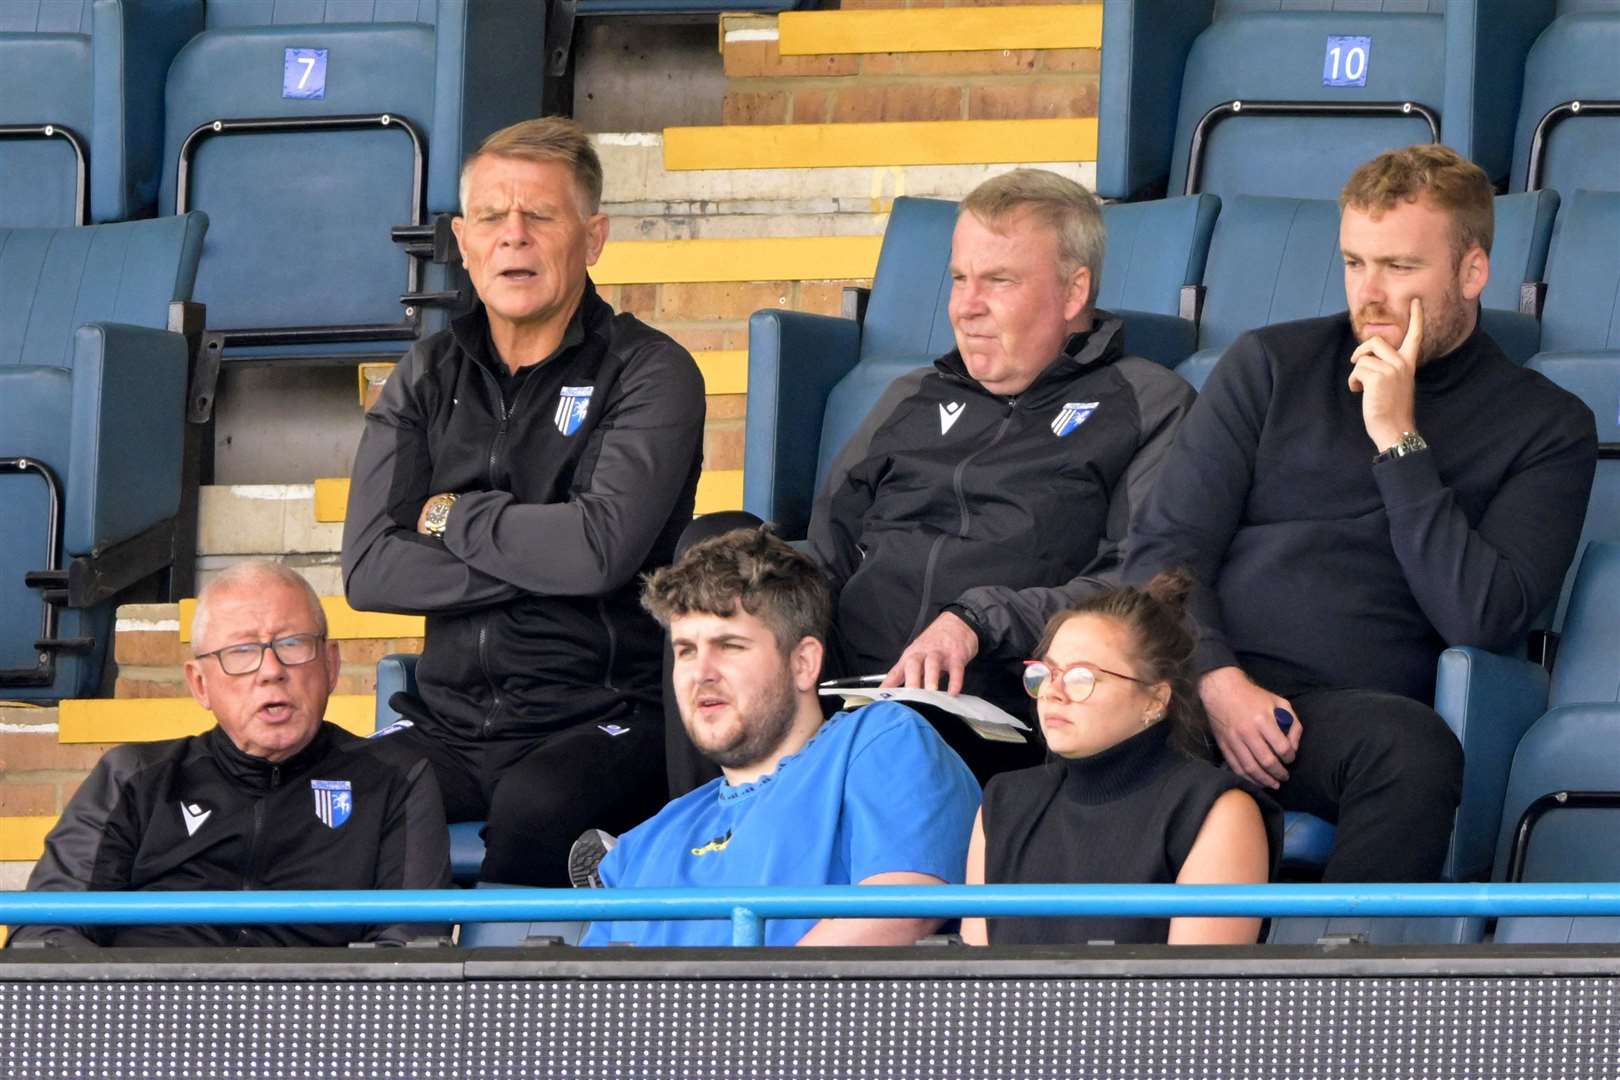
(1128, 815)
(1323, 570)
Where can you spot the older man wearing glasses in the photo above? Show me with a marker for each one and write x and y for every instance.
(271, 797)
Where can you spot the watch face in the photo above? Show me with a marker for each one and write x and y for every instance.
(438, 514)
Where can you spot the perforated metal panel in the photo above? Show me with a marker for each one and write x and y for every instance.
(860, 1029)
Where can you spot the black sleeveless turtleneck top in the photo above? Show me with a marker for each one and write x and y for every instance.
(1128, 815)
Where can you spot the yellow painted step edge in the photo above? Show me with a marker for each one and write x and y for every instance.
(122, 720)
(1044, 26)
(923, 142)
(761, 258)
(22, 839)
(725, 371)
(718, 489)
(343, 623)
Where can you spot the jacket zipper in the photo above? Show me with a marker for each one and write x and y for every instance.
(258, 826)
(962, 531)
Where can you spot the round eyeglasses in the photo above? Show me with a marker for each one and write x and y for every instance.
(248, 657)
(1077, 680)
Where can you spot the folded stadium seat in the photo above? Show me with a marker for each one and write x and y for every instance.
(1274, 259)
(1568, 131)
(1569, 748)
(81, 106)
(1580, 336)
(92, 425)
(308, 130)
(1244, 96)
(813, 378)
(396, 673)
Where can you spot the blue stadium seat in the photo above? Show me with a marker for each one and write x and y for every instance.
(1581, 340)
(487, 935)
(1233, 96)
(812, 378)
(1573, 61)
(308, 130)
(92, 425)
(81, 106)
(396, 673)
(1275, 259)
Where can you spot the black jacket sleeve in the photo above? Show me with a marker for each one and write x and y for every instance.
(1008, 621)
(1197, 501)
(91, 840)
(651, 436)
(386, 566)
(1484, 586)
(414, 853)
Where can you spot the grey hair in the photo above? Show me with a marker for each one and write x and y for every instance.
(253, 572)
(1072, 213)
(549, 138)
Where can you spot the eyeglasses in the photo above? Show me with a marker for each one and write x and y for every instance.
(1077, 680)
(248, 657)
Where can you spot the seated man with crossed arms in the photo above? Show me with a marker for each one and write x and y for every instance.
(871, 796)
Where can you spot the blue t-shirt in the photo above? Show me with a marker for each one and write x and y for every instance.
(875, 791)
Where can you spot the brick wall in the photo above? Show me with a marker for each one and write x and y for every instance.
(764, 87)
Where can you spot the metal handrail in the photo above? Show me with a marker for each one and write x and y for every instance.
(1552, 118)
(748, 908)
(81, 168)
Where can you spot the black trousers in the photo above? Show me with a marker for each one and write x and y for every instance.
(539, 794)
(1387, 771)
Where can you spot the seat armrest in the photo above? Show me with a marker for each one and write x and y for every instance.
(794, 360)
(1164, 339)
(1489, 701)
(396, 672)
(127, 434)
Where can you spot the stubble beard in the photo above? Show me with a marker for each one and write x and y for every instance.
(762, 729)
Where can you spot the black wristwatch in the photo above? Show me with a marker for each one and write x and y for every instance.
(1410, 442)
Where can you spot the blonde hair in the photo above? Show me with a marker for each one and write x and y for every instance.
(549, 138)
(1072, 213)
(1434, 172)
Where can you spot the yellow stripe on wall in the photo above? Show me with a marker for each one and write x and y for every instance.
(121, 720)
(22, 839)
(788, 258)
(724, 371)
(332, 499)
(922, 142)
(717, 490)
(343, 623)
(1043, 26)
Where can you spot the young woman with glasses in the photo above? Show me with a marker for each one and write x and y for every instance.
(1130, 798)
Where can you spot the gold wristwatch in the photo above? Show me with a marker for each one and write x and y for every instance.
(438, 514)
(1410, 442)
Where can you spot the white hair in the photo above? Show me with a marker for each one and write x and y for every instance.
(249, 573)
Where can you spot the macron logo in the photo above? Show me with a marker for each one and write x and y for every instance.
(195, 815)
(950, 414)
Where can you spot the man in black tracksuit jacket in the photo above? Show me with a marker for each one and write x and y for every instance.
(985, 494)
(518, 474)
(271, 798)
(1357, 492)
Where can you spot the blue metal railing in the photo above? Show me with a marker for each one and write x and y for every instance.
(747, 909)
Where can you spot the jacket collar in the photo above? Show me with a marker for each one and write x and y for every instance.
(1084, 351)
(471, 331)
(257, 774)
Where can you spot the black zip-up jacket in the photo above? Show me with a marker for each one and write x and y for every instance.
(1320, 568)
(533, 615)
(1005, 510)
(197, 813)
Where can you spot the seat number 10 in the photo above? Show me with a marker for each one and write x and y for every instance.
(1346, 61)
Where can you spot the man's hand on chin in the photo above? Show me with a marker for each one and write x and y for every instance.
(944, 648)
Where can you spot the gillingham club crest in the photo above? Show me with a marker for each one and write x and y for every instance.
(572, 405)
(1071, 416)
(334, 801)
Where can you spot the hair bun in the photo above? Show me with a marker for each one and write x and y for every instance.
(1171, 588)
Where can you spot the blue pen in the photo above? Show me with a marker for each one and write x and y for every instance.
(1285, 719)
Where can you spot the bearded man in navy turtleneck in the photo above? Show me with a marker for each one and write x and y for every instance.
(1356, 493)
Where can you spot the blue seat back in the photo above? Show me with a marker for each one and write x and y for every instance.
(1586, 670)
(1258, 56)
(301, 219)
(1566, 750)
(97, 68)
(1582, 312)
(1155, 248)
(1572, 60)
(1271, 260)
